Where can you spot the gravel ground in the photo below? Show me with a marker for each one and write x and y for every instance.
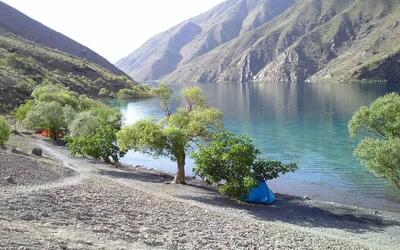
(28, 170)
(107, 208)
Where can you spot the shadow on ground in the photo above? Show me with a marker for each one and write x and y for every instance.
(139, 176)
(288, 209)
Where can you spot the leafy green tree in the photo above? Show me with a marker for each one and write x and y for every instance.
(380, 124)
(105, 92)
(233, 163)
(99, 145)
(46, 116)
(55, 93)
(23, 109)
(176, 134)
(4, 131)
(85, 123)
(93, 133)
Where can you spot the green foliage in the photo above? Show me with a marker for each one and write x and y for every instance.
(69, 114)
(93, 133)
(14, 61)
(380, 151)
(146, 136)
(86, 103)
(175, 135)
(57, 93)
(380, 120)
(99, 145)
(85, 123)
(135, 91)
(46, 116)
(4, 131)
(23, 109)
(24, 65)
(233, 162)
(382, 157)
(105, 92)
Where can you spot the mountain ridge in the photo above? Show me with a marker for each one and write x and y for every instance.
(18, 23)
(25, 64)
(311, 40)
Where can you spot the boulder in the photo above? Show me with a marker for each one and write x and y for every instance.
(10, 180)
(37, 151)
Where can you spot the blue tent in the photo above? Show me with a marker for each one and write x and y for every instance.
(261, 194)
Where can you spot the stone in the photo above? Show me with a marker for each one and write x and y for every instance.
(37, 151)
(10, 180)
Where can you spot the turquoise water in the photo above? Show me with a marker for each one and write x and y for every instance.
(305, 123)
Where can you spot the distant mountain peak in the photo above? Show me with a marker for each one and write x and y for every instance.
(277, 40)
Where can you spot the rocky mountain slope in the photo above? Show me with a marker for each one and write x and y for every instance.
(275, 40)
(19, 24)
(26, 63)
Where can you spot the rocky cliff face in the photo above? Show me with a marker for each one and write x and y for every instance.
(275, 40)
(164, 53)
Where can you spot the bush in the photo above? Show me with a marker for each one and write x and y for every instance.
(233, 163)
(93, 133)
(380, 150)
(4, 131)
(100, 145)
(136, 91)
(46, 116)
(105, 92)
(23, 109)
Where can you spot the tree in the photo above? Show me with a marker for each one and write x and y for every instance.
(177, 134)
(55, 93)
(100, 145)
(4, 131)
(233, 163)
(93, 133)
(380, 124)
(46, 116)
(23, 109)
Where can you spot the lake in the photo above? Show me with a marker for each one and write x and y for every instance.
(303, 122)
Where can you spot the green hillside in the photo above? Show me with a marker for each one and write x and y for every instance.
(25, 64)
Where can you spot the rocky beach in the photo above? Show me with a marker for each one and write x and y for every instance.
(58, 201)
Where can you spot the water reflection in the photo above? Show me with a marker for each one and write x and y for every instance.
(306, 123)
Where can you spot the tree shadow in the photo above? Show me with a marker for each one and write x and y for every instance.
(288, 209)
(139, 176)
(295, 210)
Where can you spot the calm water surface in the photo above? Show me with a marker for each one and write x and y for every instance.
(304, 123)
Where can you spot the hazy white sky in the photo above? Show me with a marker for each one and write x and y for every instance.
(113, 28)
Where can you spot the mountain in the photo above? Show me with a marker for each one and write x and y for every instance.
(277, 40)
(19, 24)
(26, 63)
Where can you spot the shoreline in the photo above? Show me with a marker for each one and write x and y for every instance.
(285, 188)
(198, 183)
(134, 207)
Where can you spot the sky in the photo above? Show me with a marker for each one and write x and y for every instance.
(112, 28)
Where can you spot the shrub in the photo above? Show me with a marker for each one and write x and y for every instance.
(105, 92)
(380, 150)
(136, 91)
(46, 116)
(23, 109)
(233, 163)
(100, 145)
(4, 131)
(93, 133)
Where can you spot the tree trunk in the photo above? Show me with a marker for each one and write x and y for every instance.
(180, 174)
